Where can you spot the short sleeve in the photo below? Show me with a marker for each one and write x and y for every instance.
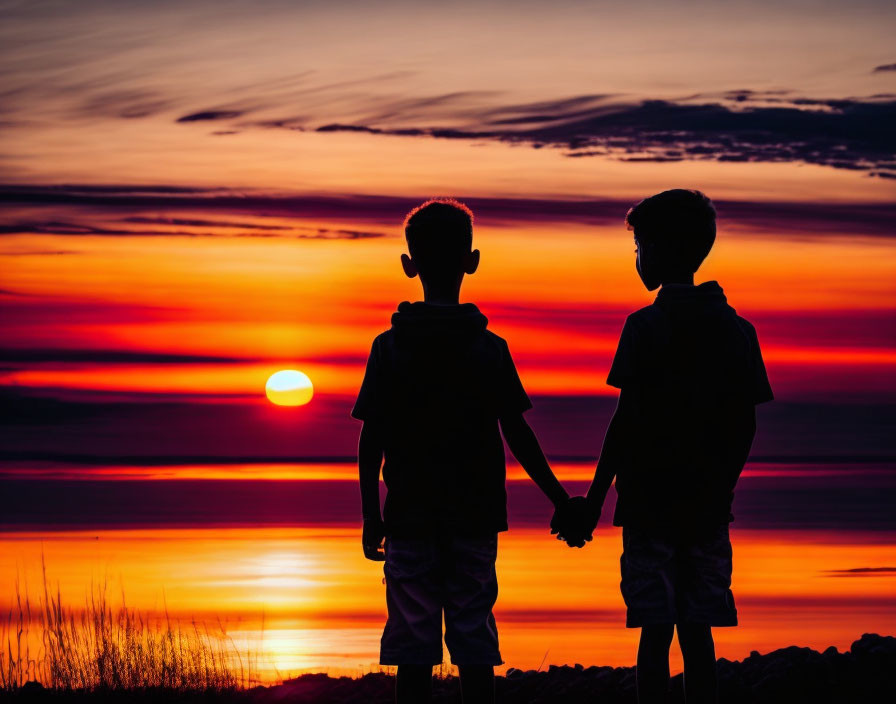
(760, 388)
(623, 370)
(367, 403)
(512, 397)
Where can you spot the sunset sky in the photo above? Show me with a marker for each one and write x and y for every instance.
(198, 194)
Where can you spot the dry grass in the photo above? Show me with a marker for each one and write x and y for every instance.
(100, 647)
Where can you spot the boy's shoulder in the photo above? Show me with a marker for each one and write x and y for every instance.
(495, 339)
(386, 341)
(644, 319)
(653, 315)
(384, 336)
(381, 341)
(650, 325)
(745, 324)
(645, 315)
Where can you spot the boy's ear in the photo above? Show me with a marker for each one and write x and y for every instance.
(471, 262)
(410, 269)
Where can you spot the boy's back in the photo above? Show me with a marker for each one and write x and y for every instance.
(690, 372)
(694, 372)
(437, 382)
(438, 393)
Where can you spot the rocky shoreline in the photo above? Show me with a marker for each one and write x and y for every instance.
(792, 675)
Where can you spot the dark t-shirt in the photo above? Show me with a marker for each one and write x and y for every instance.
(436, 384)
(692, 369)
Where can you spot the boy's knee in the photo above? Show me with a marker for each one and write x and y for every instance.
(695, 635)
(695, 630)
(659, 634)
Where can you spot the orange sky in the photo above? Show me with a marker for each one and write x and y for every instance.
(198, 194)
(231, 183)
(316, 304)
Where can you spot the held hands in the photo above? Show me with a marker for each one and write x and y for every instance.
(372, 540)
(574, 521)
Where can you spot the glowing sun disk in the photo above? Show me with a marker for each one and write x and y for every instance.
(289, 387)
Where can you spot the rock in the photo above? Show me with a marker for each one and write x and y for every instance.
(867, 673)
(871, 643)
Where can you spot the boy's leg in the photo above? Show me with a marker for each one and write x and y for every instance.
(412, 638)
(699, 654)
(648, 588)
(652, 672)
(413, 683)
(477, 684)
(471, 634)
(706, 601)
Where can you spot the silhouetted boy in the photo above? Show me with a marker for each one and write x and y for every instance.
(437, 387)
(690, 372)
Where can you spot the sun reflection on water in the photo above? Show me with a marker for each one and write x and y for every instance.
(304, 599)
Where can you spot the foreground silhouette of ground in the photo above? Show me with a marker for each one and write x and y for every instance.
(793, 675)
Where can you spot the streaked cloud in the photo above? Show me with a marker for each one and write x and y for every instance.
(129, 104)
(863, 572)
(187, 222)
(104, 356)
(156, 228)
(740, 126)
(210, 115)
(35, 252)
(100, 207)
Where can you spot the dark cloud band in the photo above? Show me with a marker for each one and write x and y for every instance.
(846, 134)
(780, 219)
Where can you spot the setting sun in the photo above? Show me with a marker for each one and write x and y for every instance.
(289, 387)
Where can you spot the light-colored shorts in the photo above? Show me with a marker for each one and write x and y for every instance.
(685, 578)
(428, 576)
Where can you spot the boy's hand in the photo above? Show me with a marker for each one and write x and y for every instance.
(372, 540)
(575, 521)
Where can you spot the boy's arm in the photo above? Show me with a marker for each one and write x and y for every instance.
(525, 448)
(739, 445)
(619, 435)
(370, 459)
(581, 514)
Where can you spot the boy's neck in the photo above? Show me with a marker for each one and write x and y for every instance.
(681, 279)
(441, 296)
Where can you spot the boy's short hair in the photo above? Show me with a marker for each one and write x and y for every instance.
(439, 233)
(682, 220)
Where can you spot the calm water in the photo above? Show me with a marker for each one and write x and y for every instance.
(278, 563)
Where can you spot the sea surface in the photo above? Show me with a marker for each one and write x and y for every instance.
(277, 562)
